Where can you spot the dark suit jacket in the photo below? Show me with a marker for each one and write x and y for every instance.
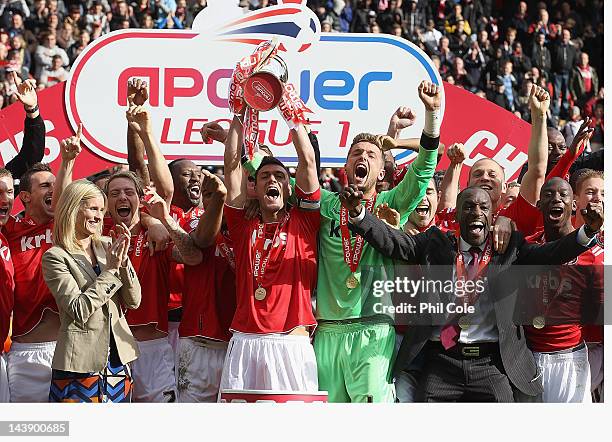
(436, 252)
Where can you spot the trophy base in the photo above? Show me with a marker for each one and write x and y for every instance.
(263, 91)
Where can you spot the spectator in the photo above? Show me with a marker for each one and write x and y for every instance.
(19, 45)
(520, 62)
(183, 14)
(54, 74)
(17, 27)
(196, 7)
(500, 97)
(361, 16)
(519, 21)
(510, 83)
(122, 14)
(77, 47)
(540, 55)
(96, 18)
(573, 124)
(446, 55)
(584, 81)
(45, 52)
(65, 36)
(415, 19)
(458, 40)
(431, 37)
(475, 63)
(564, 59)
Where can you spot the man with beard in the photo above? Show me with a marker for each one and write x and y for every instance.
(209, 301)
(275, 257)
(477, 355)
(7, 283)
(355, 346)
(556, 335)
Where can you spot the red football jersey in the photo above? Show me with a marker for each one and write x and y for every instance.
(28, 242)
(154, 275)
(290, 275)
(209, 293)
(185, 220)
(585, 275)
(7, 287)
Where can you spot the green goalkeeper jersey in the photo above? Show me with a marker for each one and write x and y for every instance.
(335, 301)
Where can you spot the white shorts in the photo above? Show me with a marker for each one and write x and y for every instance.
(199, 370)
(173, 339)
(596, 356)
(4, 388)
(566, 377)
(153, 372)
(270, 362)
(29, 371)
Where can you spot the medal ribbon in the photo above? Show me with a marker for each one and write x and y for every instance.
(137, 252)
(352, 255)
(484, 262)
(259, 270)
(291, 106)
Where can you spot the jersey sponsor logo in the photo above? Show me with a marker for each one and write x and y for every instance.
(35, 242)
(5, 253)
(280, 239)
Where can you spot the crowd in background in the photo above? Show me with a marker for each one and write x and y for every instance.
(495, 49)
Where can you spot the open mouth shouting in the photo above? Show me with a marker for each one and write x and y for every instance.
(194, 191)
(476, 228)
(361, 173)
(486, 187)
(4, 212)
(124, 210)
(272, 194)
(47, 201)
(422, 210)
(555, 213)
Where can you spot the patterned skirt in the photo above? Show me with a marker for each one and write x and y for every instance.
(113, 384)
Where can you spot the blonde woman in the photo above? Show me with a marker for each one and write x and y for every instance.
(93, 282)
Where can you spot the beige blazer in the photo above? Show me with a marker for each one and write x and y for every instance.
(89, 305)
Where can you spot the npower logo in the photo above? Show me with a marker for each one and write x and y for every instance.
(352, 82)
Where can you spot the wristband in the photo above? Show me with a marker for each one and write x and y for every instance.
(251, 165)
(432, 123)
(31, 111)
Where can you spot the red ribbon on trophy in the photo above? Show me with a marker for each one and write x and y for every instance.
(258, 84)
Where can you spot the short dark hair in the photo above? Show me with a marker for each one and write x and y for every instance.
(25, 182)
(267, 161)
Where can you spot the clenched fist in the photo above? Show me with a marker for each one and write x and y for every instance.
(430, 95)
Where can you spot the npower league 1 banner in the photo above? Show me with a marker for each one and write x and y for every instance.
(351, 82)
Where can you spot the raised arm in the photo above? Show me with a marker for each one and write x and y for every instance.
(185, 250)
(402, 118)
(210, 222)
(407, 194)
(33, 146)
(139, 119)
(564, 165)
(450, 183)
(234, 177)
(69, 149)
(306, 175)
(137, 94)
(537, 156)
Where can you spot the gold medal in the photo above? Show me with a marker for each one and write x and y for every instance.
(260, 294)
(539, 322)
(464, 322)
(352, 282)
